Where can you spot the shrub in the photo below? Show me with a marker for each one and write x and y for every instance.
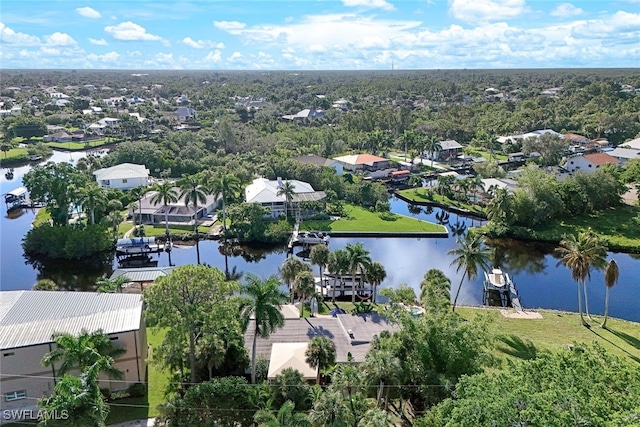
(137, 390)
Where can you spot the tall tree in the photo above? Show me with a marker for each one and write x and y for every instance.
(359, 261)
(338, 265)
(165, 194)
(435, 291)
(193, 193)
(83, 351)
(375, 275)
(291, 267)
(319, 255)
(288, 190)
(611, 276)
(225, 186)
(321, 354)
(138, 193)
(305, 285)
(92, 197)
(433, 147)
(470, 256)
(579, 254)
(381, 367)
(263, 305)
(183, 300)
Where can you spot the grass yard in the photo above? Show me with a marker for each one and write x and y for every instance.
(360, 219)
(619, 228)
(419, 195)
(159, 230)
(42, 216)
(80, 145)
(144, 407)
(556, 330)
(15, 153)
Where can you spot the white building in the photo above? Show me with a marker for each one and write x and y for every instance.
(28, 321)
(265, 192)
(123, 176)
(625, 154)
(513, 138)
(589, 162)
(634, 143)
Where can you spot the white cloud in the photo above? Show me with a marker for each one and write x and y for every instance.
(565, 10)
(229, 25)
(129, 31)
(98, 42)
(202, 44)
(8, 36)
(235, 56)
(107, 57)
(214, 56)
(88, 12)
(60, 39)
(164, 57)
(373, 4)
(486, 10)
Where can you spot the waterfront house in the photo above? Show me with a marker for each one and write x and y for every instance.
(450, 149)
(589, 162)
(177, 213)
(123, 176)
(28, 321)
(60, 136)
(367, 164)
(265, 192)
(320, 161)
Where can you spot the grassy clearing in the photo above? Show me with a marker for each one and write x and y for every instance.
(159, 230)
(14, 153)
(556, 330)
(619, 228)
(42, 216)
(360, 219)
(81, 145)
(419, 195)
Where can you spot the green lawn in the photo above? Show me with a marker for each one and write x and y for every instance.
(42, 216)
(419, 195)
(619, 228)
(360, 219)
(558, 329)
(144, 407)
(80, 145)
(159, 230)
(15, 153)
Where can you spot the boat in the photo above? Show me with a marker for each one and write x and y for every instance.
(17, 198)
(312, 238)
(35, 158)
(499, 290)
(9, 174)
(137, 245)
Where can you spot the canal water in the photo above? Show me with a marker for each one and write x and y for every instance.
(541, 282)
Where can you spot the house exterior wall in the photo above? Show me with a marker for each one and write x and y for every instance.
(579, 163)
(22, 370)
(124, 184)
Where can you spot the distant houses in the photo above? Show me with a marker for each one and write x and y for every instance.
(305, 114)
(123, 176)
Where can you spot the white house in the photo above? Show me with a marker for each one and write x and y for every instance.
(123, 176)
(589, 162)
(265, 192)
(625, 154)
(634, 143)
(28, 321)
(176, 213)
(513, 138)
(305, 114)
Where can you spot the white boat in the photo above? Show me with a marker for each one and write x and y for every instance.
(136, 245)
(500, 290)
(312, 238)
(497, 279)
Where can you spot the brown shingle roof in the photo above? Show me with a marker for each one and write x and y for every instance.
(601, 159)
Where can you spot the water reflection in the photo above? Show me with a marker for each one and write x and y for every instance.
(518, 256)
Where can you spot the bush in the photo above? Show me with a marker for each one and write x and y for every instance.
(106, 393)
(67, 242)
(137, 390)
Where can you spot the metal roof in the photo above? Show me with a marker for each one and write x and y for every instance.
(122, 171)
(145, 274)
(32, 317)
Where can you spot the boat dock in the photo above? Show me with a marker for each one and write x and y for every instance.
(499, 290)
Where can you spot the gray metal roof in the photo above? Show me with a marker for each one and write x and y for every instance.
(145, 274)
(32, 317)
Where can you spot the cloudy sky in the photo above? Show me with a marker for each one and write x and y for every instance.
(319, 34)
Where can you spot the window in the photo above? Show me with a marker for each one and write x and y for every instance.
(15, 395)
(113, 338)
(9, 354)
(124, 180)
(590, 165)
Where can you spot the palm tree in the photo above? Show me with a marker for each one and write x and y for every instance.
(499, 207)
(291, 267)
(471, 256)
(383, 368)
(305, 285)
(46, 285)
(165, 194)
(285, 417)
(138, 193)
(263, 305)
(321, 354)
(192, 191)
(319, 256)
(92, 197)
(432, 146)
(224, 186)
(376, 275)
(288, 190)
(359, 260)
(579, 254)
(338, 265)
(435, 291)
(115, 285)
(82, 352)
(611, 276)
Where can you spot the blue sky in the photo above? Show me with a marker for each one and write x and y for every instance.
(319, 34)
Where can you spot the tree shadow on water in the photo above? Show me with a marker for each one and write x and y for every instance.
(515, 346)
